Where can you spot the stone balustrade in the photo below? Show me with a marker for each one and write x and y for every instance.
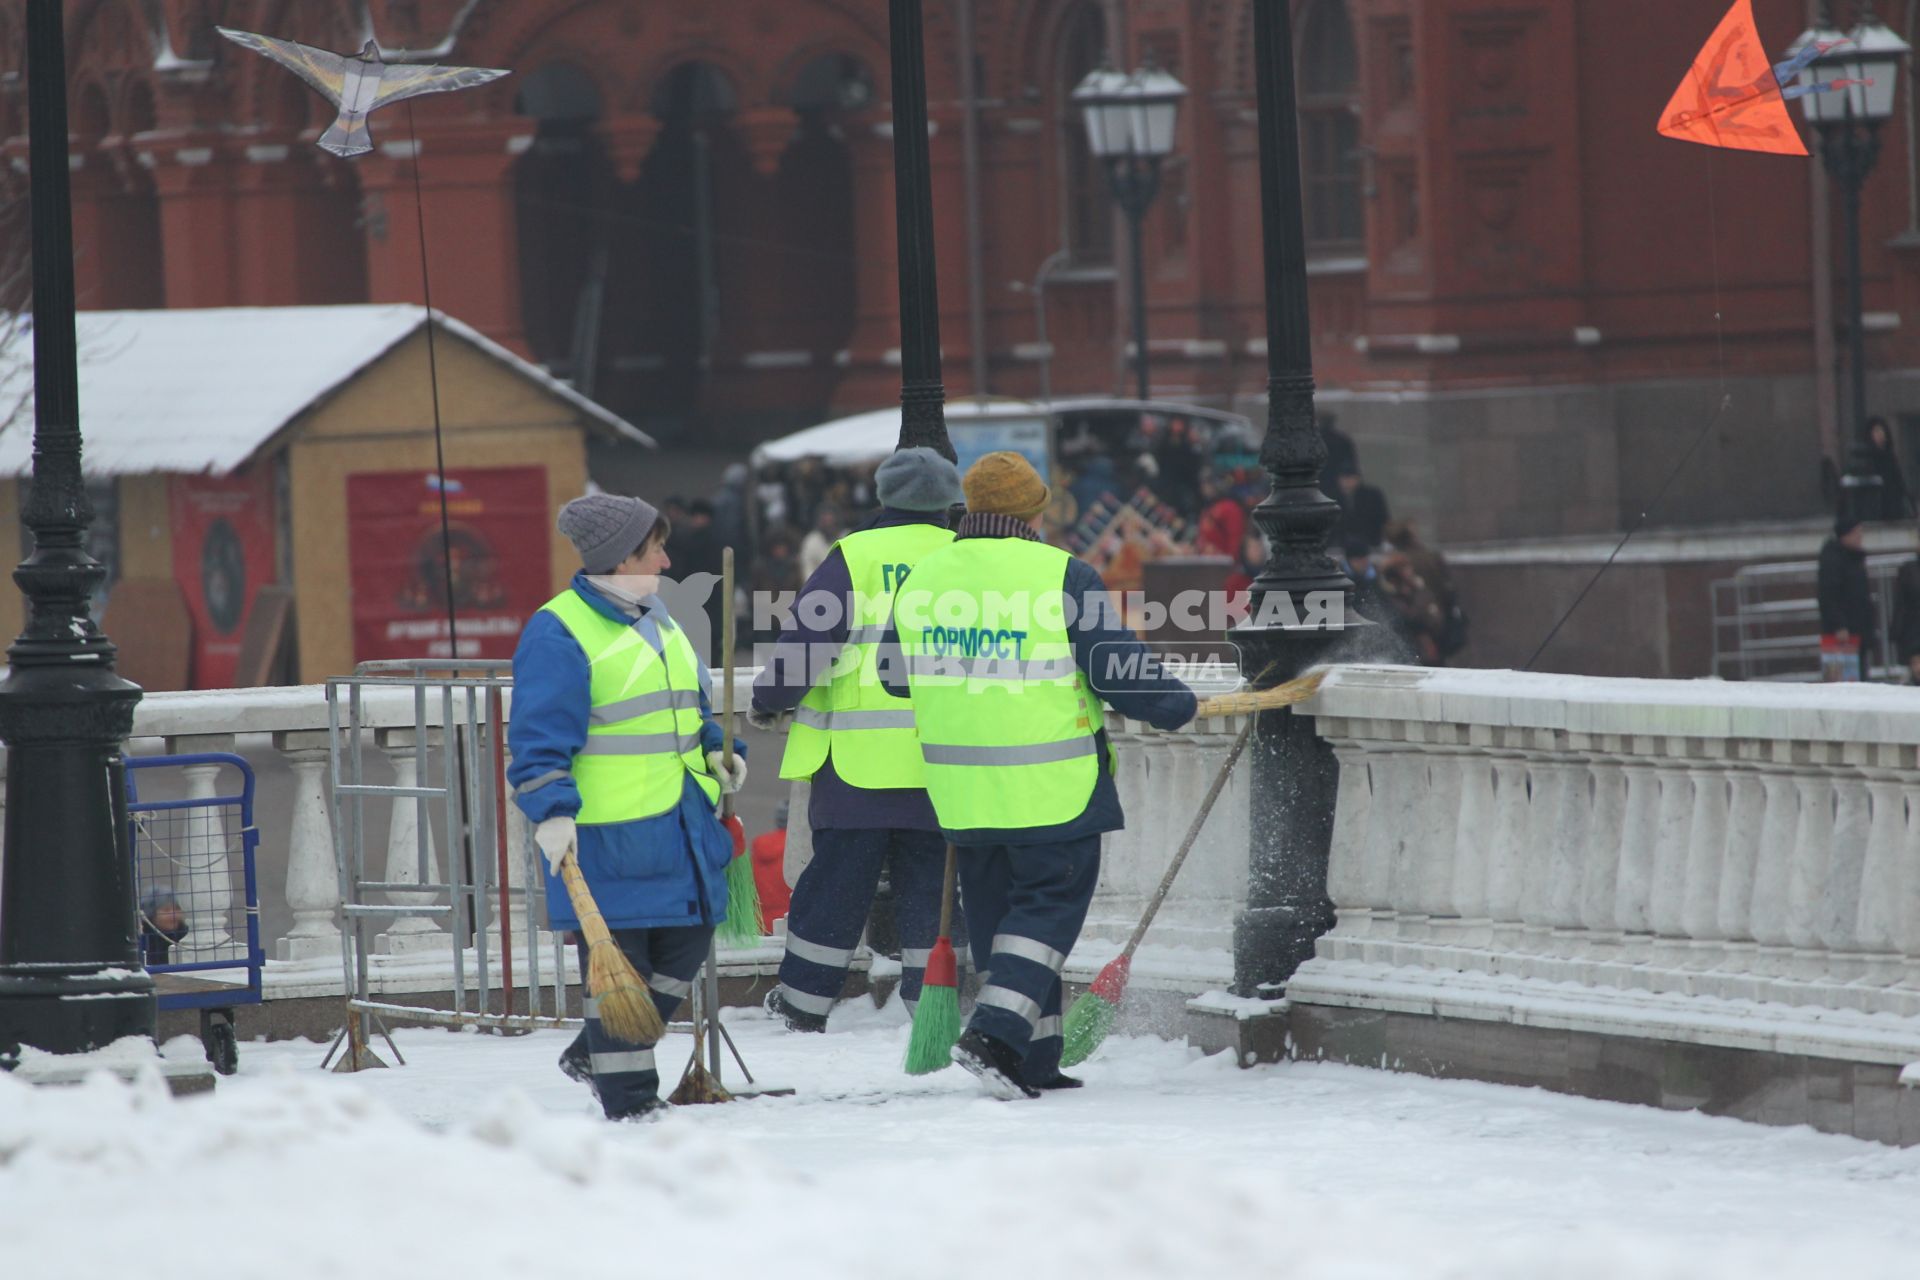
(1723, 864)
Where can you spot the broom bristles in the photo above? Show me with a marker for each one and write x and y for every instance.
(1252, 700)
(698, 1087)
(741, 928)
(626, 1010)
(1085, 1028)
(936, 1029)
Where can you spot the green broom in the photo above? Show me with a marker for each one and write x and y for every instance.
(741, 928)
(1087, 1023)
(936, 1019)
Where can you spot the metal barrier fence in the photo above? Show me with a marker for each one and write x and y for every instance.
(199, 896)
(1766, 621)
(492, 896)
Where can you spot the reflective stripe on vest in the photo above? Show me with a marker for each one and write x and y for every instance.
(1007, 724)
(848, 713)
(643, 722)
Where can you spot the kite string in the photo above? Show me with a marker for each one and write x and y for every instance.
(1720, 411)
(433, 379)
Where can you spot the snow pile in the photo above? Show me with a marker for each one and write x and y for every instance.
(1168, 1164)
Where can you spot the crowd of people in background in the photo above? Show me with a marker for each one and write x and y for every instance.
(786, 518)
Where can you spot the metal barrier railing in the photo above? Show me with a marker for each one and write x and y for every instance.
(462, 706)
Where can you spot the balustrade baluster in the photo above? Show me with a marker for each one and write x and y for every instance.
(202, 874)
(1549, 778)
(1473, 853)
(1807, 875)
(1440, 842)
(1667, 896)
(1839, 913)
(1706, 858)
(1353, 892)
(1878, 923)
(411, 856)
(1600, 870)
(313, 887)
(1639, 842)
(1507, 856)
(1746, 826)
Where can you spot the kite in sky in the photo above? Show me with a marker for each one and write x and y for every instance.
(1735, 96)
(358, 85)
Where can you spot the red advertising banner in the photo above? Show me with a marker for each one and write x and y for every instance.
(223, 553)
(502, 560)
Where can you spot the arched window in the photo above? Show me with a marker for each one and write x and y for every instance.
(1086, 213)
(1330, 128)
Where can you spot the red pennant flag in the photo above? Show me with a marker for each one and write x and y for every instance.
(1731, 97)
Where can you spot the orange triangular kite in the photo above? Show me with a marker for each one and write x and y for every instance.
(1731, 97)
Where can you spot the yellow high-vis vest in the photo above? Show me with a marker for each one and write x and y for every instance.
(643, 732)
(848, 714)
(1007, 722)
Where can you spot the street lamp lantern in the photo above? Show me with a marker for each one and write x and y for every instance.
(1131, 123)
(1867, 63)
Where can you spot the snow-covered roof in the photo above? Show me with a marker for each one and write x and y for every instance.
(200, 391)
(871, 436)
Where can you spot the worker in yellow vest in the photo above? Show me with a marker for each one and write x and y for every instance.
(856, 743)
(617, 760)
(1007, 647)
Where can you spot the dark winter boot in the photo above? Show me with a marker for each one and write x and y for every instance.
(1058, 1080)
(796, 1019)
(577, 1065)
(647, 1110)
(995, 1064)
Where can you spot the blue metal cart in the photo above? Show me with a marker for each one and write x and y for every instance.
(193, 866)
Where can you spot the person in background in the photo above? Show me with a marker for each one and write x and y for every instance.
(1363, 510)
(819, 541)
(1846, 595)
(1896, 503)
(1239, 584)
(1905, 636)
(1420, 620)
(1223, 523)
(1392, 642)
(1342, 456)
(162, 924)
(1007, 698)
(730, 515)
(769, 853)
(855, 741)
(1432, 569)
(618, 764)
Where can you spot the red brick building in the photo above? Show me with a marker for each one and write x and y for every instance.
(686, 207)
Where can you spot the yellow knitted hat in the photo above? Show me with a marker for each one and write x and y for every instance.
(1006, 484)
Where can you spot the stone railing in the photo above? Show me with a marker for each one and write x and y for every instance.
(282, 733)
(1722, 864)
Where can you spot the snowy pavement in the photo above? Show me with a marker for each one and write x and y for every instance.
(478, 1160)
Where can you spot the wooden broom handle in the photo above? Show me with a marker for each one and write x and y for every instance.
(946, 891)
(1186, 845)
(726, 675)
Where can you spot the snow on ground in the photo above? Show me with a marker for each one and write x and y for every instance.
(478, 1160)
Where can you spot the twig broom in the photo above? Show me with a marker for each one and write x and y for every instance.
(1091, 1017)
(626, 1010)
(936, 1019)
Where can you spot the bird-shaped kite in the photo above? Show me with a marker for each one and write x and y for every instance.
(1735, 95)
(358, 85)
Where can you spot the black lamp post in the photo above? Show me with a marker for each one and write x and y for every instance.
(923, 397)
(1130, 126)
(1302, 611)
(70, 971)
(1871, 59)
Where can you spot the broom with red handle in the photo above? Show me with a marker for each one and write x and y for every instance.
(936, 1019)
(1087, 1023)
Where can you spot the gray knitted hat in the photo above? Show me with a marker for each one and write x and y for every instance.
(918, 480)
(606, 529)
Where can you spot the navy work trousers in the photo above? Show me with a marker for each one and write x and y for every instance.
(624, 1074)
(1025, 906)
(833, 897)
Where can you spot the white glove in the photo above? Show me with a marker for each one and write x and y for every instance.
(732, 772)
(556, 838)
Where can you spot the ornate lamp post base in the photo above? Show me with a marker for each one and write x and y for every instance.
(67, 853)
(70, 970)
